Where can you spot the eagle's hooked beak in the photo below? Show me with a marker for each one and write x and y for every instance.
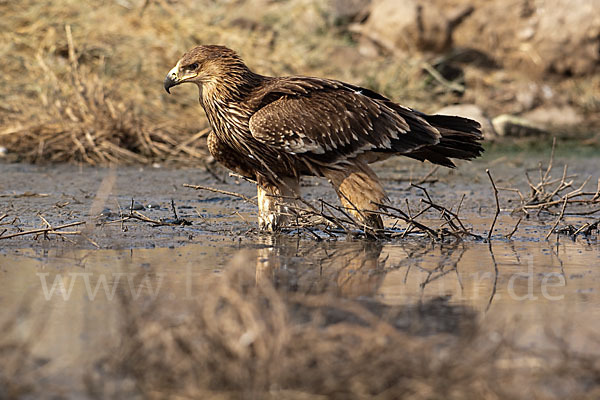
(177, 76)
(172, 79)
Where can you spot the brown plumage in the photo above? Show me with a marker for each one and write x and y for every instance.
(276, 129)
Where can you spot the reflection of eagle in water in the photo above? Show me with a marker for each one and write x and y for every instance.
(275, 130)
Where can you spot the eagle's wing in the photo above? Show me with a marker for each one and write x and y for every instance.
(332, 121)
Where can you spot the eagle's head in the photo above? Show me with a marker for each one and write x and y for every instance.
(204, 65)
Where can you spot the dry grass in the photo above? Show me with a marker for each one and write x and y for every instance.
(558, 197)
(98, 98)
(81, 81)
(70, 97)
(247, 334)
(86, 120)
(20, 370)
(243, 338)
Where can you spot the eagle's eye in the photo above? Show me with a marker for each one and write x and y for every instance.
(192, 66)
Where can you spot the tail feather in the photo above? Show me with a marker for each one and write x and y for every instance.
(461, 139)
(452, 122)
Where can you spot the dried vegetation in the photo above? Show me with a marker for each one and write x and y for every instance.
(247, 334)
(67, 96)
(243, 337)
(558, 197)
(325, 220)
(20, 370)
(82, 81)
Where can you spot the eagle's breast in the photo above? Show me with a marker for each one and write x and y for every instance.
(233, 143)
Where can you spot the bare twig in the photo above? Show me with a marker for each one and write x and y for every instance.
(225, 192)
(174, 209)
(449, 216)
(428, 175)
(544, 195)
(510, 235)
(24, 194)
(233, 174)
(306, 218)
(496, 273)
(48, 229)
(562, 213)
(489, 236)
(403, 216)
(139, 216)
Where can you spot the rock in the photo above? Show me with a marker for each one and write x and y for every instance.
(411, 25)
(471, 111)
(137, 206)
(513, 126)
(538, 122)
(526, 95)
(568, 35)
(554, 116)
(541, 36)
(343, 11)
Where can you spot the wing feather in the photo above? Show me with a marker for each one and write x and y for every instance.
(333, 121)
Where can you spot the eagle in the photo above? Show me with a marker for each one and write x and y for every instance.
(276, 129)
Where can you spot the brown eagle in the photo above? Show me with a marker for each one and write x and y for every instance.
(277, 129)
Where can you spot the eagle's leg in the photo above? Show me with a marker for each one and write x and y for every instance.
(360, 193)
(274, 201)
(359, 273)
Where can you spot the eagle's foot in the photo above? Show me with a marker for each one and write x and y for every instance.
(371, 220)
(274, 202)
(271, 222)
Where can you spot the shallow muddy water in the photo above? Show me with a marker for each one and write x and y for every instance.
(73, 288)
(535, 285)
